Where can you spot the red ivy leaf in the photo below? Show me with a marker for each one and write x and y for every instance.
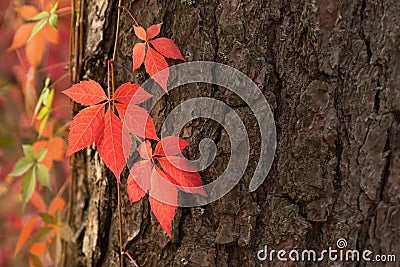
(86, 93)
(183, 174)
(121, 108)
(145, 150)
(131, 92)
(138, 52)
(110, 144)
(160, 187)
(153, 31)
(139, 180)
(138, 121)
(167, 48)
(85, 128)
(155, 63)
(170, 146)
(135, 192)
(140, 33)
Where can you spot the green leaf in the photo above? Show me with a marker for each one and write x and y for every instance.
(47, 82)
(43, 175)
(41, 154)
(47, 218)
(28, 151)
(54, 8)
(44, 95)
(42, 234)
(37, 28)
(42, 100)
(43, 112)
(53, 20)
(66, 232)
(43, 124)
(28, 186)
(55, 249)
(22, 166)
(40, 16)
(35, 260)
(49, 99)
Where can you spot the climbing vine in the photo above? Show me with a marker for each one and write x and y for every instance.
(111, 120)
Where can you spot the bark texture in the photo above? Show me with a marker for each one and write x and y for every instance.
(330, 70)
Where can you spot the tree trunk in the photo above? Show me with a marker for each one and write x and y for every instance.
(330, 69)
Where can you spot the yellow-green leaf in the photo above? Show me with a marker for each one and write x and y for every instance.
(37, 28)
(35, 260)
(43, 175)
(49, 99)
(28, 151)
(41, 154)
(28, 186)
(42, 234)
(53, 20)
(54, 8)
(40, 16)
(47, 218)
(43, 112)
(22, 166)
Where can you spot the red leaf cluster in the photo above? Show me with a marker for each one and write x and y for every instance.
(162, 172)
(153, 51)
(176, 173)
(96, 125)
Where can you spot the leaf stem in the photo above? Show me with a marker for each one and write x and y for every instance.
(111, 65)
(108, 78)
(130, 14)
(64, 10)
(65, 75)
(120, 224)
(131, 259)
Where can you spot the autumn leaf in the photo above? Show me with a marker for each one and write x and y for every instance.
(145, 150)
(137, 121)
(26, 232)
(55, 150)
(35, 32)
(170, 146)
(153, 31)
(131, 93)
(109, 144)
(167, 48)
(154, 57)
(86, 93)
(162, 184)
(105, 130)
(139, 180)
(38, 202)
(164, 212)
(57, 204)
(154, 63)
(21, 35)
(27, 11)
(140, 32)
(138, 52)
(86, 128)
(183, 174)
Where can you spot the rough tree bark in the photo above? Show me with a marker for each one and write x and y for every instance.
(330, 70)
